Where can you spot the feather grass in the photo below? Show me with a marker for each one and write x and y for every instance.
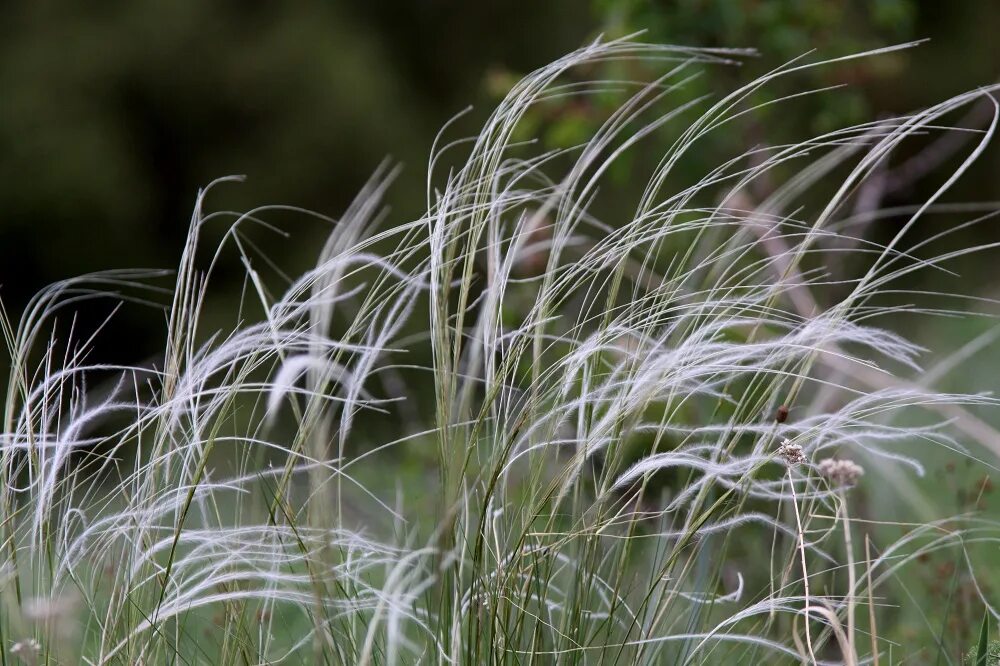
(251, 490)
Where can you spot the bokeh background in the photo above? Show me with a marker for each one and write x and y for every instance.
(112, 115)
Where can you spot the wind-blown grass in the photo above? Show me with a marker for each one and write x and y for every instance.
(600, 478)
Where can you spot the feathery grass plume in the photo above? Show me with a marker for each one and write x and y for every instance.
(594, 438)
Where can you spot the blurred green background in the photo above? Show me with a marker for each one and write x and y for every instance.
(112, 115)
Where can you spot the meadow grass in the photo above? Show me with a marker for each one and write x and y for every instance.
(527, 426)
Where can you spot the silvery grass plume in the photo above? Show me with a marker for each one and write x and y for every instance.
(601, 475)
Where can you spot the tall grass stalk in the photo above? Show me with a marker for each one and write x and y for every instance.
(533, 424)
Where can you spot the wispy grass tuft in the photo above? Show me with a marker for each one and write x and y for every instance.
(533, 424)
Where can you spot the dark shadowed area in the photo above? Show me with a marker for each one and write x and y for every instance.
(113, 116)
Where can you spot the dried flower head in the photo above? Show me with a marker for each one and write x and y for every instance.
(841, 472)
(27, 650)
(792, 453)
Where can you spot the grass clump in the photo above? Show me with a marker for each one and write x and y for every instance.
(533, 424)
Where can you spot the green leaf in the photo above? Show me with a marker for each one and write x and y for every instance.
(982, 650)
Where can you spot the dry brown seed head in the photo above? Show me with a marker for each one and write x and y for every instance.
(792, 453)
